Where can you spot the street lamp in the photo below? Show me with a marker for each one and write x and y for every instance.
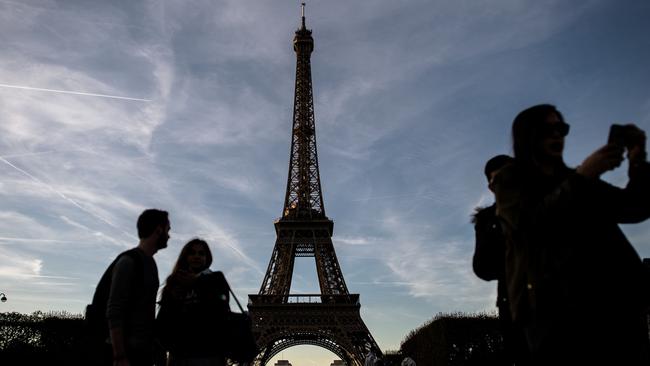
(3, 297)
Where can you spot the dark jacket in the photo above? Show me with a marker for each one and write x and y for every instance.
(565, 253)
(192, 314)
(489, 253)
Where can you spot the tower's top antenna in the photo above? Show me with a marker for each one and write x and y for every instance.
(303, 40)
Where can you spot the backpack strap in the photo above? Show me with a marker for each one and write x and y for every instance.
(95, 316)
(138, 273)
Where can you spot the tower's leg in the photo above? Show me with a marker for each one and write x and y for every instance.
(277, 280)
(327, 266)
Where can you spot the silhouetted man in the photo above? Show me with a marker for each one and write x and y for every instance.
(489, 265)
(131, 304)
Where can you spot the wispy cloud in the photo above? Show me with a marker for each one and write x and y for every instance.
(221, 237)
(431, 266)
(351, 240)
(63, 196)
(16, 267)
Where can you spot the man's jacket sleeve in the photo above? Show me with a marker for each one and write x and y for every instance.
(488, 260)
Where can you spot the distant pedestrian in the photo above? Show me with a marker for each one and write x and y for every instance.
(573, 278)
(407, 361)
(131, 304)
(489, 264)
(371, 358)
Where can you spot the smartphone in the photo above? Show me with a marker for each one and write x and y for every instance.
(617, 135)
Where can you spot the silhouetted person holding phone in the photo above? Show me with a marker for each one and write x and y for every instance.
(193, 308)
(489, 264)
(574, 281)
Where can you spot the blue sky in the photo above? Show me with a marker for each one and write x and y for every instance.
(111, 107)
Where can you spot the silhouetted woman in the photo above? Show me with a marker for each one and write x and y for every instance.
(193, 305)
(574, 281)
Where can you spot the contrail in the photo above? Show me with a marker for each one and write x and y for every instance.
(37, 153)
(74, 93)
(52, 277)
(65, 197)
(34, 240)
(246, 259)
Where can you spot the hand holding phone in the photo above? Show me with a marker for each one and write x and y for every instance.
(626, 136)
(607, 158)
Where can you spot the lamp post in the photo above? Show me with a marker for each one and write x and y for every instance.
(3, 297)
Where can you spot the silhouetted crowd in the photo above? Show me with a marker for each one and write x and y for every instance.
(571, 288)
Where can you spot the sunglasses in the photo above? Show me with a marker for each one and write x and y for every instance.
(550, 130)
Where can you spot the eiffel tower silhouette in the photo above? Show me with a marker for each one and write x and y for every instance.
(330, 319)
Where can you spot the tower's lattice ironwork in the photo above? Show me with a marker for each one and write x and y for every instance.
(330, 319)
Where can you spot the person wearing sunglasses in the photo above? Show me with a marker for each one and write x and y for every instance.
(575, 283)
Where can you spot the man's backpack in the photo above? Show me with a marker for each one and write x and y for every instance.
(95, 322)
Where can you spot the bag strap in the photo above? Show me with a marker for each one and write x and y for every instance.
(233, 295)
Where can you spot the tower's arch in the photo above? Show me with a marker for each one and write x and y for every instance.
(305, 354)
(287, 341)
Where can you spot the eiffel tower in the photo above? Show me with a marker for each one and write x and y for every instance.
(330, 319)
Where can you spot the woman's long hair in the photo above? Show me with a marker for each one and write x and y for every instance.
(183, 264)
(527, 135)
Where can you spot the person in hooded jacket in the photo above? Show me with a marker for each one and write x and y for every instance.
(488, 264)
